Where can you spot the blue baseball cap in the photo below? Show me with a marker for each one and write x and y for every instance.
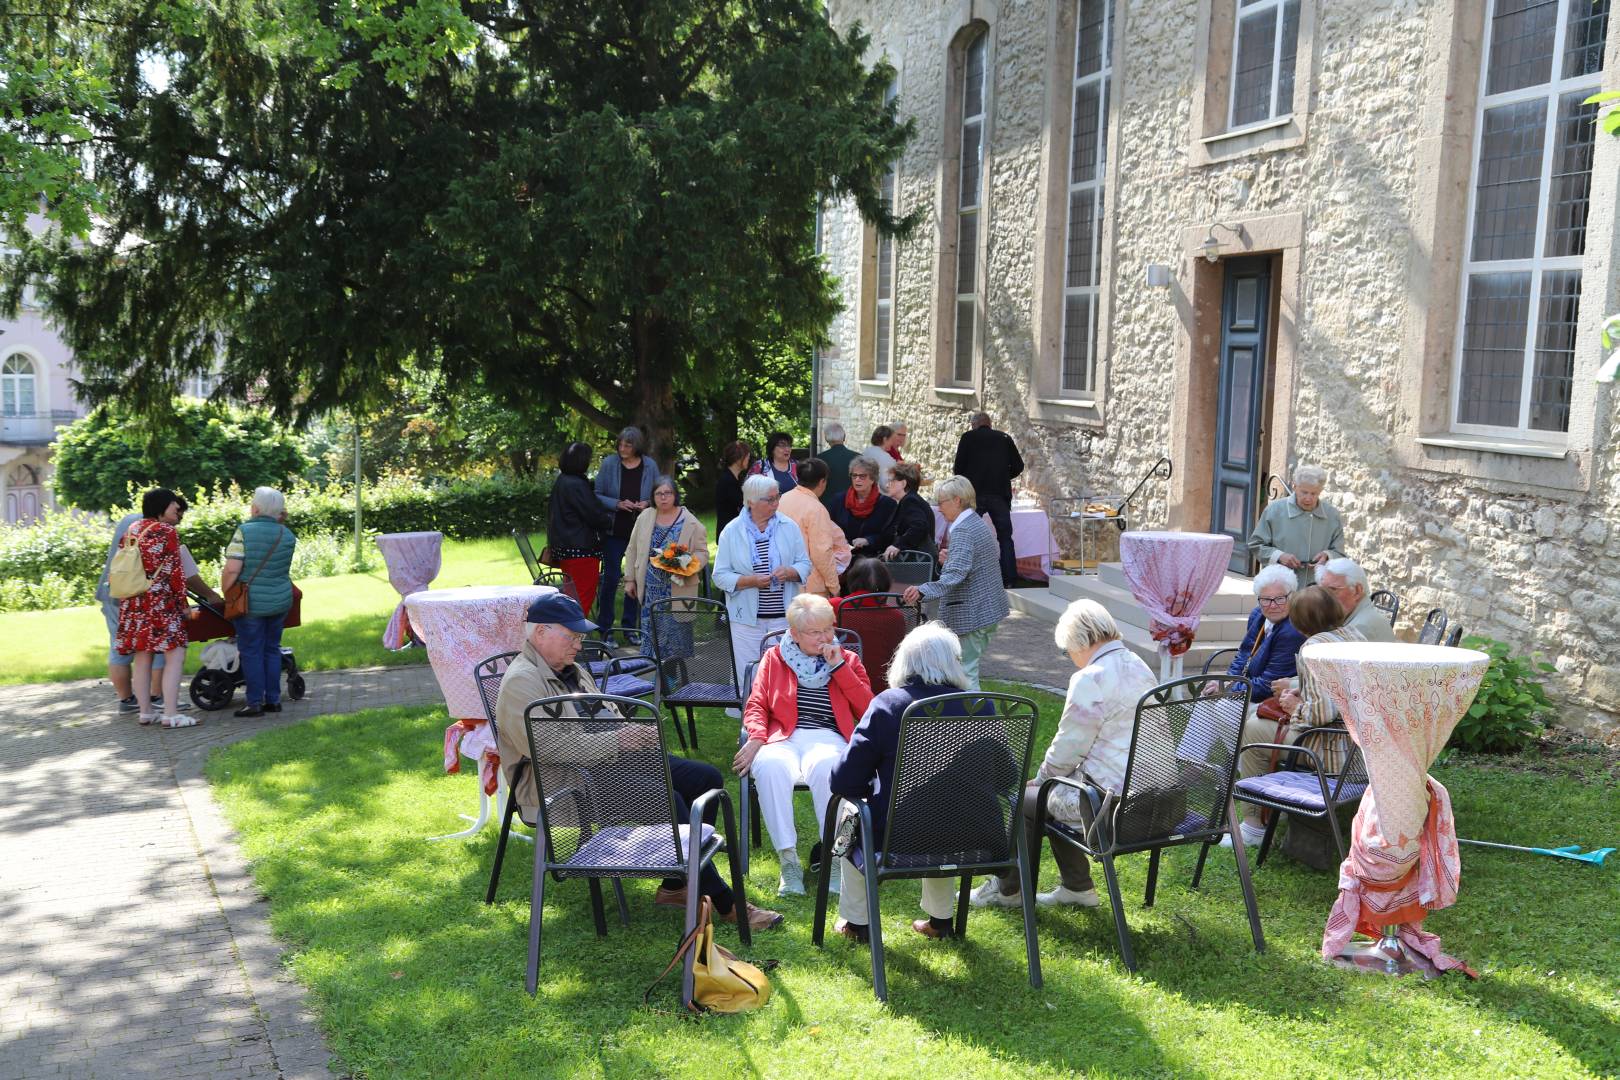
(561, 609)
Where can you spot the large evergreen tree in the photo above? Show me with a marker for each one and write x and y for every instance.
(599, 205)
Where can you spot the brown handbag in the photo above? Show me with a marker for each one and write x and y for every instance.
(236, 597)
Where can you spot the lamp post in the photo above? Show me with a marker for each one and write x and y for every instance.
(357, 561)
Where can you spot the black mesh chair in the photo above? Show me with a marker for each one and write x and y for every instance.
(1387, 602)
(525, 548)
(1218, 662)
(487, 676)
(849, 639)
(550, 575)
(955, 810)
(607, 810)
(910, 568)
(696, 666)
(1316, 793)
(882, 620)
(1176, 790)
(1434, 627)
(1454, 638)
(621, 676)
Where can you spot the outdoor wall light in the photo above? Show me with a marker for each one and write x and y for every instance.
(1212, 246)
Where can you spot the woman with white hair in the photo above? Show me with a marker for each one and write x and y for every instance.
(972, 599)
(1300, 532)
(1270, 645)
(927, 664)
(760, 566)
(808, 693)
(1093, 742)
(260, 557)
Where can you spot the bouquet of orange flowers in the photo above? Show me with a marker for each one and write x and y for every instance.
(677, 559)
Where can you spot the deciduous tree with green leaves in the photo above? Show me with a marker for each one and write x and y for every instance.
(600, 205)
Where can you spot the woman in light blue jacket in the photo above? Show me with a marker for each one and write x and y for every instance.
(761, 565)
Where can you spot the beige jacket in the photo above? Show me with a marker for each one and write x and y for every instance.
(529, 679)
(829, 548)
(639, 552)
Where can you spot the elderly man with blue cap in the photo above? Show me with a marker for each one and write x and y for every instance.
(546, 667)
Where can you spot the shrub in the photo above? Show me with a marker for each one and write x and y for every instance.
(1507, 713)
(61, 543)
(330, 554)
(49, 592)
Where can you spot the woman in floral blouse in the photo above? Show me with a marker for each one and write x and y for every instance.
(155, 621)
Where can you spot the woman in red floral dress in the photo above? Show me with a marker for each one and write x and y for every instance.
(155, 621)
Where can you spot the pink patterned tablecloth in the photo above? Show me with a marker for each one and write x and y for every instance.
(1033, 545)
(1173, 575)
(1400, 703)
(413, 560)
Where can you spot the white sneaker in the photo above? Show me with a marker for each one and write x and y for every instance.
(1061, 895)
(833, 876)
(791, 881)
(1251, 835)
(989, 894)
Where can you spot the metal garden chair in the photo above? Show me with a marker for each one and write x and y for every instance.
(550, 575)
(1454, 638)
(883, 620)
(692, 647)
(607, 810)
(1314, 793)
(1176, 790)
(622, 676)
(1387, 602)
(910, 568)
(956, 810)
(1434, 627)
(525, 548)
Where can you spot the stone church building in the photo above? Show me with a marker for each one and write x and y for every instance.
(1377, 236)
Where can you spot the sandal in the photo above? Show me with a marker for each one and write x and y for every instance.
(147, 719)
(179, 720)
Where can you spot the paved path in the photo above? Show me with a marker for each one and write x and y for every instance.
(134, 942)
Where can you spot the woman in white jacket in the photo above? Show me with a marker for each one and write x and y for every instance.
(760, 566)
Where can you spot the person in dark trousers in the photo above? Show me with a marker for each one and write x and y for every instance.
(990, 460)
(735, 461)
(624, 484)
(837, 457)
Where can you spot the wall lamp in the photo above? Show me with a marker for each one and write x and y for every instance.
(1212, 246)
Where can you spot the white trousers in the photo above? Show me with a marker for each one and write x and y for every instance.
(807, 756)
(938, 895)
(745, 643)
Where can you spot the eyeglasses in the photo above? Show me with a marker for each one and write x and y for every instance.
(1273, 601)
(573, 638)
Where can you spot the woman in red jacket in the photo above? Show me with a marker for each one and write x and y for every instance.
(807, 697)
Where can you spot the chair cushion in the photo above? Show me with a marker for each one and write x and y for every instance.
(627, 666)
(627, 686)
(636, 845)
(1296, 789)
(701, 693)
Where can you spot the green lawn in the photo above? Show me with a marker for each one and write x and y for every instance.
(343, 619)
(412, 975)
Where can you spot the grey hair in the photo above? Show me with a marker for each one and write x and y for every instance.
(929, 654)
(1310, 474)
(957, 487)
(979, 419)
(1345, 568)
(758, 486)
(1276, 574)
(834, 432)
(809, 609)
(635, 438)
(864, 465)
(268, 502)
(900, 425)
(1083, 624)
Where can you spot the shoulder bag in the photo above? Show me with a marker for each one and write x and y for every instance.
(720, 981)
(236, 597)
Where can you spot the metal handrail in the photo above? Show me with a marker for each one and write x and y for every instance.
(1163, 463)
(1273, 483)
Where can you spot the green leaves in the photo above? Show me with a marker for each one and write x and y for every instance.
(1508, 711)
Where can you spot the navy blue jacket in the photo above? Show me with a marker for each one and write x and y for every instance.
(1274, 659)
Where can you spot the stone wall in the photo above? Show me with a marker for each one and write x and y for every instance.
(1537, 566)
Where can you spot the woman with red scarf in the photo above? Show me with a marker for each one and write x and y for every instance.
(864, 514)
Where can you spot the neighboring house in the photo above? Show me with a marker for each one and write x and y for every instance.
(1246, 234)
(35, 399)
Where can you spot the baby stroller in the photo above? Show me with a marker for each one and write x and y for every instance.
(216, 681)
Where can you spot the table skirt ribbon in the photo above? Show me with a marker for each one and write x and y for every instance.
(472, 738)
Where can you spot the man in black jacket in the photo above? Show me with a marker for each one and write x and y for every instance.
(990, 460)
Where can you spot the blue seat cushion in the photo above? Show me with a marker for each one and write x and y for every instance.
(629, 665)
(702, 692)
(636, 845)
(1295, 789)
(627, 686)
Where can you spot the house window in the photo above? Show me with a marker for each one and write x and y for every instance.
(1264, 46)
(969, 204)
(883, 315)
(1527, 217)
(200, 385)
(1088, 155)
(17, 386)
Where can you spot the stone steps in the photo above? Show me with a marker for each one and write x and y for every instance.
(1044, 605)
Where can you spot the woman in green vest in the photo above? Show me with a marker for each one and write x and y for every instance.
(260, 556)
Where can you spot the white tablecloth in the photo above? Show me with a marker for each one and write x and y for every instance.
(1032, 534)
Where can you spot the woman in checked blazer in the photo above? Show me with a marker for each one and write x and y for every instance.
(972, 599)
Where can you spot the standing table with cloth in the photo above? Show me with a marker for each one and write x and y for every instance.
(460, 628)
(1173, 575)
(413, 560)
(1033, 546)
(1400, 703)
